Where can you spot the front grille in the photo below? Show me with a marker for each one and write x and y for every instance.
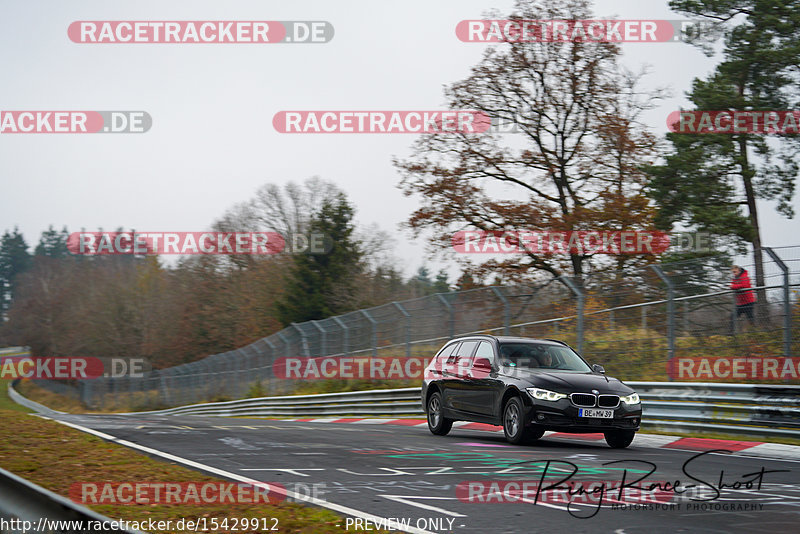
(608, 401)
(582, 399)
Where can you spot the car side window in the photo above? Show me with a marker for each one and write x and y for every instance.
(465, 352)
(448, 351)
(485, 351)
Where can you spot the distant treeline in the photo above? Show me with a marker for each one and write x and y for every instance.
(61, 304)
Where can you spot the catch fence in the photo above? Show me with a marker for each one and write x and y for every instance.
(632, 324)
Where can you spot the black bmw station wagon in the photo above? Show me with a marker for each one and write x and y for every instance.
(527, 386)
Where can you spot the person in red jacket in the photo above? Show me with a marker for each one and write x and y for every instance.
(744, 294)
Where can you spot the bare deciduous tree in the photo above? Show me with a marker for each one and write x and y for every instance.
(571, 163)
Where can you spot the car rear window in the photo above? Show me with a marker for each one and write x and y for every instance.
(447, 351)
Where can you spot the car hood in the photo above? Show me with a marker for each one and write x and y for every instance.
(572, 382)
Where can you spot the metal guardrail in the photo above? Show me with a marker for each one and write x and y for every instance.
(26, 507)
(378, 402)
(761, 410)
(745, 409)
(33, 405)
(6, 352)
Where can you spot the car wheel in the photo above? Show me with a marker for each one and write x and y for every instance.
(619, 439)
(513, 424)
(437, 423)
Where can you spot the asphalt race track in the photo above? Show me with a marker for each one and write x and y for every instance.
(403, 472)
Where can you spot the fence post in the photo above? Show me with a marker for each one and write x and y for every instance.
(287, 348)
(787, 305)
(346, 341)
(232, 372)
(282, 337)
(374, 324)
(685, 317)
(85, 388)
(408, 327)
(670, 311)
(303, 339)
(199, 379)
(250, 366)
(506, 310)
(451, 312)
(323, 338)
(240, 385)
(164, 390)
(271, 373)
(176, 383)
(190, 392)
(567, 281)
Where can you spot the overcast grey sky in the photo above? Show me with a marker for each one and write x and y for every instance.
(212, 143)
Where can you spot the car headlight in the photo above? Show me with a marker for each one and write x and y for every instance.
(633, 398)
(545, 394)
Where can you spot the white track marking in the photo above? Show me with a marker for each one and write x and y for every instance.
(406, 499)
(295, 472)
(346, 510)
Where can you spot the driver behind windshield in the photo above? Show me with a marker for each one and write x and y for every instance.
(540, 356)
(546, 360)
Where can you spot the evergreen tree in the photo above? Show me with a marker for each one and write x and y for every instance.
(710, 182)
(53, 244)
(441, 285)
(422, 285)
(323, 285)
(14, 260)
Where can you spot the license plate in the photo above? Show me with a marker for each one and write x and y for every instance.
(591, 412)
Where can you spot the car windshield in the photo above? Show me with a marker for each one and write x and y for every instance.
(541, 356)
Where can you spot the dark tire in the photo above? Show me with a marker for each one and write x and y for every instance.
(437, 424)
(513, 424)
(533, 432)
(619, 439)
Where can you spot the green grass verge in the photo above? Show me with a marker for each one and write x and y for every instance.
(54, 401)
(6, 404)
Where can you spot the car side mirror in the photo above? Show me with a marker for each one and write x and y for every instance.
(597, 368)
